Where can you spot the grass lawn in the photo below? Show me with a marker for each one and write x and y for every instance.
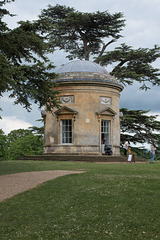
(109, 201)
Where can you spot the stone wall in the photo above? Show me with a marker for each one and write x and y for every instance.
(85, 108)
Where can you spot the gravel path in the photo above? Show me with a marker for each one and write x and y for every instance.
(13, 184)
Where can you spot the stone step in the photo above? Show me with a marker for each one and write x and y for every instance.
(84, 158)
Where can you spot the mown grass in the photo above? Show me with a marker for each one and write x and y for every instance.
(109, 201)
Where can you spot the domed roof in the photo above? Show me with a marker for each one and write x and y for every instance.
(85, 72)
(82, 66)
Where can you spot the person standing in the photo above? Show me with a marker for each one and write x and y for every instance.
(152, 151)
(104, 141)
(125, 147)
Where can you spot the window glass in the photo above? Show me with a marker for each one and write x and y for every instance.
(66, 128)
(105, 132)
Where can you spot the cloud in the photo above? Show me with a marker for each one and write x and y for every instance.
(25, 10)
(133, 98)
(10, 123)
(11, 109)
(155, 114)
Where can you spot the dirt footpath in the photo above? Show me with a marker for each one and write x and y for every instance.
(13, 184)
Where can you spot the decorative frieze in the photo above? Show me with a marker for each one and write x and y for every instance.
(105, 100)
(67, 99)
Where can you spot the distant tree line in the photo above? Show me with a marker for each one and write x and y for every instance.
(20, 143)
(140, 127)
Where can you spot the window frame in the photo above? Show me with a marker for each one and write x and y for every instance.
(106, 133)
(66, 131)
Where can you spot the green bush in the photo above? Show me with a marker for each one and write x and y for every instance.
(27, 145)
(3, 146)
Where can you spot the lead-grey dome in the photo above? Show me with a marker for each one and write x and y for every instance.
(82, 71)
(82, 66)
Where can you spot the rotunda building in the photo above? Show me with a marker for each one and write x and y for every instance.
(89, 113)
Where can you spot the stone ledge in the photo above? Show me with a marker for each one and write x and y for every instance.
(84, 158)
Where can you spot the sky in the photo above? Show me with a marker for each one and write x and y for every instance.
(142, 30)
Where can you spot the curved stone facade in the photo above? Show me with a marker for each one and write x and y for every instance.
(89, 112)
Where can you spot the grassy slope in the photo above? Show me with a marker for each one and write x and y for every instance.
(110, 201)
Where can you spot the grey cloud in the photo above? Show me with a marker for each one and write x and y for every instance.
(133, 98)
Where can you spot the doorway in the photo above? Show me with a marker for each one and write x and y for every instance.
(105, 134)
